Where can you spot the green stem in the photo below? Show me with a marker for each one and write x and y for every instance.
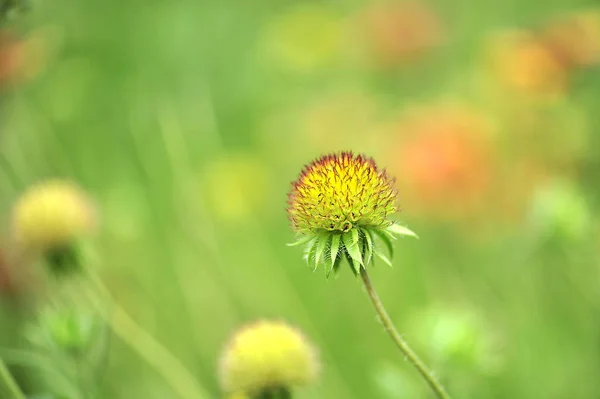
(275, 393)
(9, 382)
(148, 348)
(412, 357)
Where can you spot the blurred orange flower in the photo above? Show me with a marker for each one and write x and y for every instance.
(576, 38)
(524, 63)
(11, 58)
(7, 284)
(442, 160)
(11, 282)
(24, 58)
(397, 33)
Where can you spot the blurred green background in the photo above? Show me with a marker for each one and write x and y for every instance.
(187, 121)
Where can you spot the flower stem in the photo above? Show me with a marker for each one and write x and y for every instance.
(9, 382)
(148, 348)
(275, 393)
(412, 357)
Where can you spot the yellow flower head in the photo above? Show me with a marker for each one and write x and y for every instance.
(339, 203)
(338, 191)
(51, 215)
(237, 395)
(267, 355)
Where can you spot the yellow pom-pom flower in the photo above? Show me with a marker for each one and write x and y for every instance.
(267, 357)
(51, 215)
(339, 204)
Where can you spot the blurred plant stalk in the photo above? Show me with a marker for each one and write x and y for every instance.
(142, 342)
(10, 385)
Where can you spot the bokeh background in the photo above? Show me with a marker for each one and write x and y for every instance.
(187, 121)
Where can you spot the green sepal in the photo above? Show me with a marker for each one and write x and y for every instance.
(301, 241)
(351, 240)
(273, 393)
(310, 253)
(369, 247)
(334, 250)
(384, 258)
(338, 261)
(395, 229)
(386, 241)
(320, 247)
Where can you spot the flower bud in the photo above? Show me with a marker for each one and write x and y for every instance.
(266, 360)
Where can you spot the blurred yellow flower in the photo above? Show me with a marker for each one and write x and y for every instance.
(305, 38)
(235, 185)
(51, 215)
(267, 355)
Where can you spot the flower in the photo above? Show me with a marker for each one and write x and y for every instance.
(306, 38)
(238, 395)
(52, 215)
(11, 58)
(443, 152)
(8, 284)
(338, 204)
(22, 58)
(265, 356)
(399, 33)
(576, 38)
(236, 186)
(526, 64)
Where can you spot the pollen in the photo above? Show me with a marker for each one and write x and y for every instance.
(340, 191)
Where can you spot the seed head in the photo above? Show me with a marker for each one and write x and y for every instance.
(339, 204)
(267, 355)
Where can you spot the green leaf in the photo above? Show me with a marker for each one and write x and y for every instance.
(350, 240)
(369, 248)
(384, 258)
(335, 248)
(386, 241)
(401, 230)
(310, 254)
(301, 241)
(321, 245)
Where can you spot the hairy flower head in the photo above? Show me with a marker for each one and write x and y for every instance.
(338, 191)
(339, 203)
(51, 215)
(267, 355)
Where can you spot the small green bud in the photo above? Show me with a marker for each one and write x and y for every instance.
(560, 210)
(67, 330)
